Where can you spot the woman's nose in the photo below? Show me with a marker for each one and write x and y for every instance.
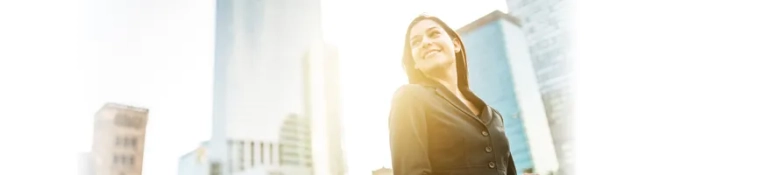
(426, 43)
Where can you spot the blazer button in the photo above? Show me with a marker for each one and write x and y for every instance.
(488, 149)
(492, 165)
(485, 133)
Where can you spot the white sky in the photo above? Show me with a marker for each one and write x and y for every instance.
(688, 84)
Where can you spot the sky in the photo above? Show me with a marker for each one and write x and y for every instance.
(678, 82)
(159, 55)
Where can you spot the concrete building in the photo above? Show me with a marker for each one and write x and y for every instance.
(382, 171)
(545, 25)
(118, 140)
(502, 74)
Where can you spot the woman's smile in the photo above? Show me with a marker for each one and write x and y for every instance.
(431, 53)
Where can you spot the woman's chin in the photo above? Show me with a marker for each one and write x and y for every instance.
(436, 68)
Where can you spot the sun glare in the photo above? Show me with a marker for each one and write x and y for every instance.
(370, 42)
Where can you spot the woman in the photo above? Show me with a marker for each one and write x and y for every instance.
(437, 125)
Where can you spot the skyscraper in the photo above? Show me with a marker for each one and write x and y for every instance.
(545, 26)
(263, 93)
(118, 140)
(323, 97)
(501, 73)
(258, 77)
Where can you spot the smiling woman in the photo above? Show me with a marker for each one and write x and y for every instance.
(370, 47)
(437, 124)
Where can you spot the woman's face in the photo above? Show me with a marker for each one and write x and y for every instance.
(431, 47)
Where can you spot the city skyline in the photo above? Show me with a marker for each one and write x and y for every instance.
(187, 91)
(654, 81)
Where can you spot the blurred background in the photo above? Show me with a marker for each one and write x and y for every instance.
(291, 86)
(304, 86)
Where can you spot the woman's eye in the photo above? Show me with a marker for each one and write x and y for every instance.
(434, 34)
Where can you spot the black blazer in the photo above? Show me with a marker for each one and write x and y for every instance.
(432, 132)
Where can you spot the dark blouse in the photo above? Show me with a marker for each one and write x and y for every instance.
(432, 132)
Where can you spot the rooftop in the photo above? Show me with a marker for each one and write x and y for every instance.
(490, 17)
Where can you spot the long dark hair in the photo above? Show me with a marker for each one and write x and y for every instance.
(416, 76)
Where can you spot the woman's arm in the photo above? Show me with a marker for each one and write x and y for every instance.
(409, 133)
(511, 169)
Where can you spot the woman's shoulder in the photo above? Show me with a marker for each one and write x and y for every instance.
(410, 90)
(411, 93)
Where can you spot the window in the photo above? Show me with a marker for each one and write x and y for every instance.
(251, 154)
(116, 159)
(281, 156)
(241, 156)
(118, 141)
(215, 169)
(131, 160)
(262, 153)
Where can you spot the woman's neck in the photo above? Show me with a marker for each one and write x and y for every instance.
(449, 79)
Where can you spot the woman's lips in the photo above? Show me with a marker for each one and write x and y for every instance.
(431, 53)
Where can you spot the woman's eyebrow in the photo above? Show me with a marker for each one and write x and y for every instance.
(417, 36)
(430, 28)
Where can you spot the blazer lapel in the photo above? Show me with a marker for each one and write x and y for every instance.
(454, 101)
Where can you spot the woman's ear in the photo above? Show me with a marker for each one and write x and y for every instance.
(457, 43)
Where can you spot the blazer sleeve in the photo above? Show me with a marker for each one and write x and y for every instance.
(511, 169)
(408, 133)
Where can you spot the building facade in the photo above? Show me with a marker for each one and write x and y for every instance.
(276, 100)
(118, 140)
(323, 96)
(291, 154)
(501, 73)
(545, 25)
(258, 82)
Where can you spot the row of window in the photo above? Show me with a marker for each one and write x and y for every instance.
(261, 147)
(129, 121)
(546, 42)
(124, 159)
(126, 141)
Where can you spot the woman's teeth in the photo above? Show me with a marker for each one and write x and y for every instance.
(431, 53)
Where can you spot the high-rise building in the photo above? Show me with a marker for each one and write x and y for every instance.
(258, 81)
(118, 140)
(502, 74)
(546, 28)
(267, 102)
(289, 155)
(323, 96)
